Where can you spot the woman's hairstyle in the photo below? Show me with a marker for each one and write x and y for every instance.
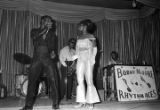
(91, 27)
(46, 16)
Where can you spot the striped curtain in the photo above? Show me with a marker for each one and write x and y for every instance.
(135, 40)
(14, 38)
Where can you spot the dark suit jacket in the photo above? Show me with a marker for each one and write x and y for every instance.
(50, 41)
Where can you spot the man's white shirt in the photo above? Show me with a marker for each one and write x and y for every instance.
(66, 54)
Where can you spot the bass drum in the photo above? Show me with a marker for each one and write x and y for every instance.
(25, 86)
(20, 79)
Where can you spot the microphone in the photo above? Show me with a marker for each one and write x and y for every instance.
(48, 26)
(47, 30)
(44, 31)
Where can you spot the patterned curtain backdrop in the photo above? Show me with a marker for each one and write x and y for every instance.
(65, 31)
(14, 38)
(135, 40)
(124, 37)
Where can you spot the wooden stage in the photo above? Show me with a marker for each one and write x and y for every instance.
(43, 103)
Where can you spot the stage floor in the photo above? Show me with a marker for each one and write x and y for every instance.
(43, 103)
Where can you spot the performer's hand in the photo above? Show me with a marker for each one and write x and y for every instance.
(74, 57)
(49, 25)
(93, 60)
(53, 55)
(64, 64)
(44, 31)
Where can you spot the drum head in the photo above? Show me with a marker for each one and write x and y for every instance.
(20, 79)
(25, 86)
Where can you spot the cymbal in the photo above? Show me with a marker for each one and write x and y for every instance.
(22, 58)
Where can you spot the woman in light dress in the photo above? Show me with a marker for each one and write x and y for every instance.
(86, 51)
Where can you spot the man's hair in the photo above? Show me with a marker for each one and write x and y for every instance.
(46, 16)
(72, 40)
(52, 20)
(116, 54)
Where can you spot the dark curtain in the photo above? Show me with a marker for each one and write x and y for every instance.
(135, 40)
(151, 3)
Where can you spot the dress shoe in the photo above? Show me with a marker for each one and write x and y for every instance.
(80, 105)
(26, 108)
(55, 107)
(68, 98)
(90, 106)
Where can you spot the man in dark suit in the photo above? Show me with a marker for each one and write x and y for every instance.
(45, 49)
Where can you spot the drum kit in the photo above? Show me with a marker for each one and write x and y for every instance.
(22, 79)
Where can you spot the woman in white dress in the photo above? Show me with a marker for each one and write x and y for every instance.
(86, 51)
